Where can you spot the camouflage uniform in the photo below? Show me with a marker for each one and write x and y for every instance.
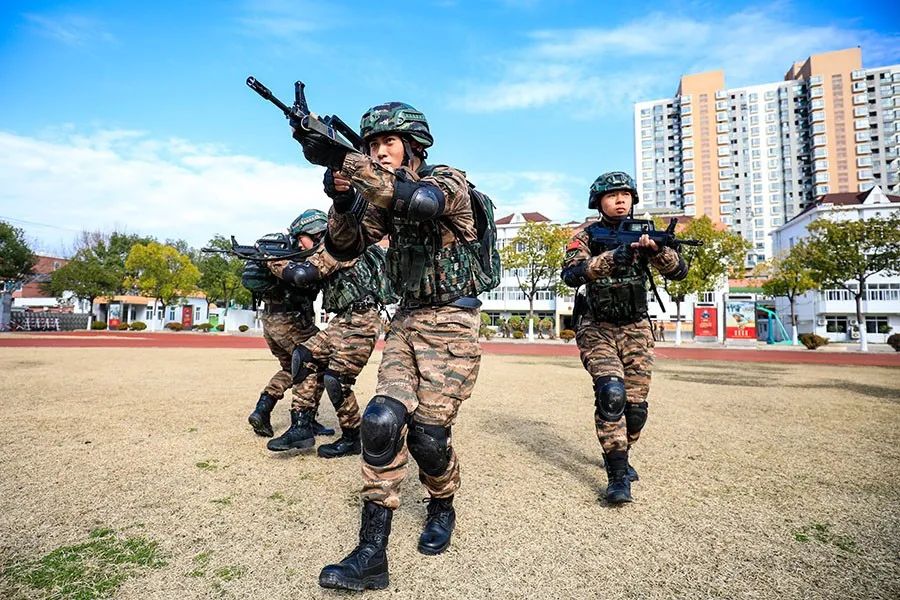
(614, 334)
(623, 350)
(343, 348)
(284, 330)
(431, 355)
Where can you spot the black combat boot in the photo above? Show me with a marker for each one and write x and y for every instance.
(632, 474)
(319, 429)
(619, 489)
(298, 435)
(346, 445)
(439, 526)
(259, 418)
(367, 566)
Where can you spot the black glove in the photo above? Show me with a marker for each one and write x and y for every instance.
(623, 256)
(319, 150)
(343, 201)
(300, 274)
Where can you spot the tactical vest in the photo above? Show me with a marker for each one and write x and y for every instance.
(422, 272)
(292, 299)
(618, 299)
(366, 278)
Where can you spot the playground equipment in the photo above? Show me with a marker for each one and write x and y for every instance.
(770, 337)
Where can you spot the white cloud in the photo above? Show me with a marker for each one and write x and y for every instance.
(546, 192)
(165, 188)
(605, 70)
(70, 29)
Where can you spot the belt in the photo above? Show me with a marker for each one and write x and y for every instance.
(461, 302)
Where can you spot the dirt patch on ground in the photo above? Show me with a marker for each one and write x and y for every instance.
(757, 481)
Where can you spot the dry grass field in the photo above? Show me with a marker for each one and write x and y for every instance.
(132, 472)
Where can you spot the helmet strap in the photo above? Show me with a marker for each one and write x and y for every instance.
(407, 152)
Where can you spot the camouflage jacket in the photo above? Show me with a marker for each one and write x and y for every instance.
(424, 263)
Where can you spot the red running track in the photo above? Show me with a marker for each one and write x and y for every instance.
(90, 339)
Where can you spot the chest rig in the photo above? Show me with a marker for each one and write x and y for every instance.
(352, 285)
(620, 298)
(423, 272)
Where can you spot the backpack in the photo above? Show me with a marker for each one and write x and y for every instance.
(485, 245)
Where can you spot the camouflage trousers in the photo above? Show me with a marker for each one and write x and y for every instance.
(625, 351)
(283, 332)
(430, 363)
(342, 349)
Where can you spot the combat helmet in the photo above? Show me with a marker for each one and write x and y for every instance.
(611, 182)
(395, 117)
(312, 222)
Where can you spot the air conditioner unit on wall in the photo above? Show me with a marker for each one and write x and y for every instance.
(853, 322)
(820, 321)
(854, 334)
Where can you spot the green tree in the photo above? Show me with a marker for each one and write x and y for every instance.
(85, 276)
(16, 264)
(790, 277)
(721, 254)
(220, 276)
(161, 272)
(841, 253)
(97, 269)
(535, 255)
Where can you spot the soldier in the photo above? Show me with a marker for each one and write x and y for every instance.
(288, 321)
(615, 336)
(431, 355)
(354, 291)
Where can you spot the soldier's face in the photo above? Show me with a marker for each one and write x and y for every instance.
(616, 205)
(305, 241)
(387, 150)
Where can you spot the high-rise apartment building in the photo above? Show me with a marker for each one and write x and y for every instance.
(753, 157)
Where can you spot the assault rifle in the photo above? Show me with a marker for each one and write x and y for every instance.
(272, 246)
(630, 231)
(302, 119)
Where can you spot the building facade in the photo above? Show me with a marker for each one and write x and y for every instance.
(831, 313)
(753, 157)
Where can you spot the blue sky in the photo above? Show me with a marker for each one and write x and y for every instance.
(136, 116)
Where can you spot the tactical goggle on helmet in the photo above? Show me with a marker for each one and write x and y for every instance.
(312, 222)
(611, 182)
(395, 117)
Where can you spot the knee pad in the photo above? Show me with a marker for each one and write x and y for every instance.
(334, 388)
(430, 446)
(382, 423)
(635, 416)
(301, 358)
(610, 398)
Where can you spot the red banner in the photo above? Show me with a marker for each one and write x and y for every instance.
(706, 323)
(187, 316)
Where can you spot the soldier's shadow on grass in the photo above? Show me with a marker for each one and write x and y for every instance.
(541, 440)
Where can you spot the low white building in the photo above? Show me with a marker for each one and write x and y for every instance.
(831, 313)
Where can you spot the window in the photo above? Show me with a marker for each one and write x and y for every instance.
(878, 324)
(197, 314)
(836, 324)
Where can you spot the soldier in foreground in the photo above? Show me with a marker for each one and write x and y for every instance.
(615, 336)
(431, 356)
(354, 291)
(288, 320)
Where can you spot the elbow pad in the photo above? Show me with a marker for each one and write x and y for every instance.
(300, 274)
(418, 201)
(575, 275)
(680, 272)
